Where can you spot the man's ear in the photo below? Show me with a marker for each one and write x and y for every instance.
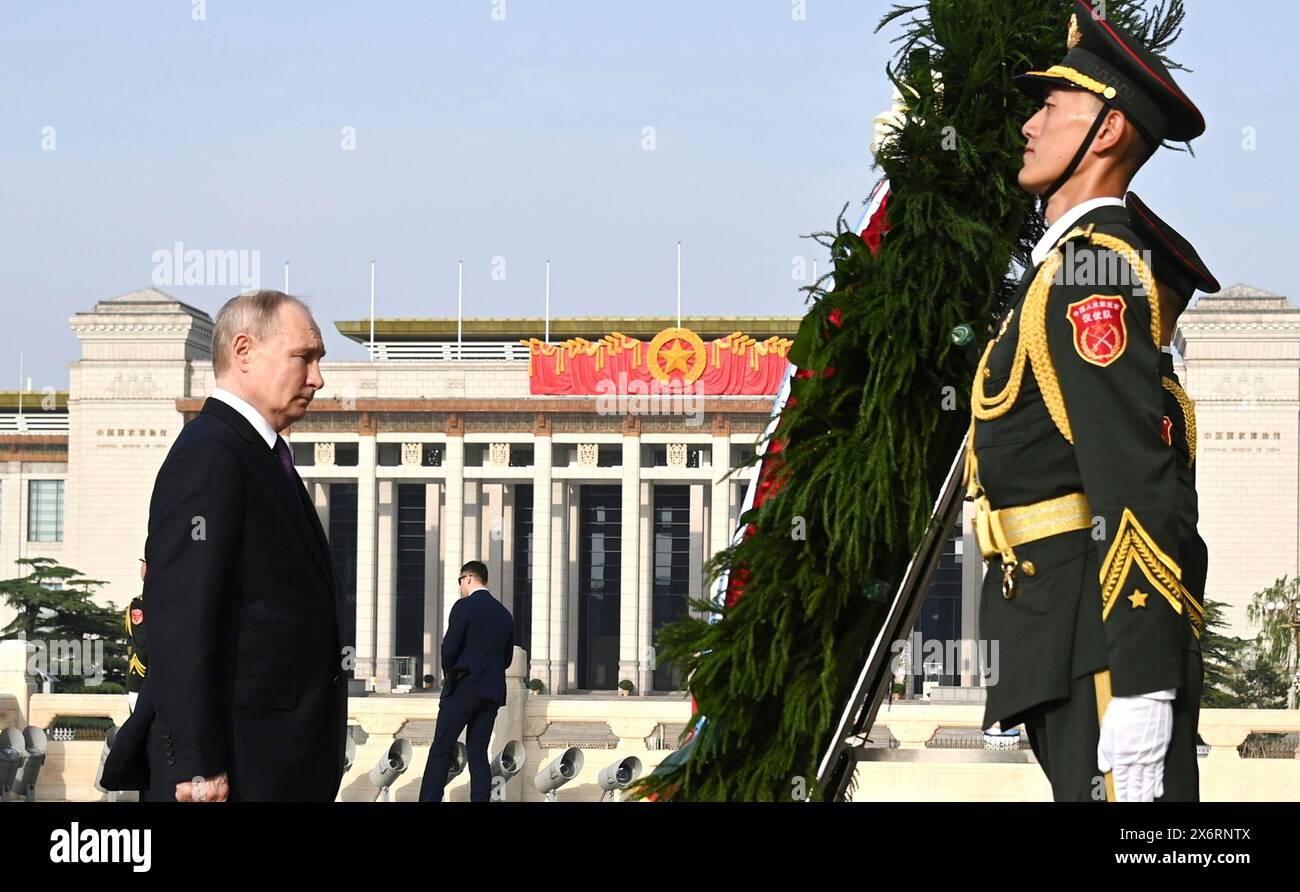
(1113, 133)
(241, 348)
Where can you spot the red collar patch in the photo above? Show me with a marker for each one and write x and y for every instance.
(1100, 332)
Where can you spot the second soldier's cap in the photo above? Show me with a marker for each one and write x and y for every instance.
(1173, 258)
(1114, 66)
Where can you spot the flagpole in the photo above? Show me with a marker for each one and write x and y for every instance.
(548, 300)
(460, 301)
(286, 277)
(679, 284)
(372, 309)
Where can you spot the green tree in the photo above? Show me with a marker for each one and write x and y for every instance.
(1242, 673)
(1221, 656)
(55, 604)
(1274, 610)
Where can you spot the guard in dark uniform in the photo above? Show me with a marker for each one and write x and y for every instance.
(1180, 272)
(1075, 489)
(137, 648)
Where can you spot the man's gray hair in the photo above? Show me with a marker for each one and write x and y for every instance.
(256, 314)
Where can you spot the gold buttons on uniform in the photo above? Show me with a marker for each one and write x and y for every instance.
(1028, 567)
(988, 372)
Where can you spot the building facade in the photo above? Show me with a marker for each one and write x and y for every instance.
(594, 512)
(594, 508)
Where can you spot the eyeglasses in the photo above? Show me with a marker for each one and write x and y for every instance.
(463, 578)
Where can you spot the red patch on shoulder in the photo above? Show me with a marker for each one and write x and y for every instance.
(1100, 332)
(137, 616)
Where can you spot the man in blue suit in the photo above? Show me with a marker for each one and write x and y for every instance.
(476, 652)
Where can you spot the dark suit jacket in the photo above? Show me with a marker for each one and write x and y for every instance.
(245, 672)
(478, 646)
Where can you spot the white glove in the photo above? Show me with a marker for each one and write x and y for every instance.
(1135, 734)
(131, 697)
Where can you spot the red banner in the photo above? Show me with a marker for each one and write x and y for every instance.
(675, 359)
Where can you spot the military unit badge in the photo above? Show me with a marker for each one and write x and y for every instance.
(1100, 335)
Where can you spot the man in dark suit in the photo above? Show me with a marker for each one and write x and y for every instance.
(476, 651)
(245, 697)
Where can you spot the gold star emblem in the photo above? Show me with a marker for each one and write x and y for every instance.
(1138, 598)
(675, 357)
(671, 351)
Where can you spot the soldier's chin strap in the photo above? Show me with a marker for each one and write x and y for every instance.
(1078, 156)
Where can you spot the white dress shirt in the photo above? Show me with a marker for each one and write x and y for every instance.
(1057, 230)
(255, 418)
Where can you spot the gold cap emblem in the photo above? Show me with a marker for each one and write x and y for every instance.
(1075, 36)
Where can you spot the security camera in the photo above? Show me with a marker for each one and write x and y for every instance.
(11, 759)
(562, 770)
(390, 767)
(349, 751)
(459, 759)
(109, 739)
(35, 743)
(619, 776)
(508, 763)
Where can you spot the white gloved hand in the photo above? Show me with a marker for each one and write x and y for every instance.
(131, 697)
(1135, 735)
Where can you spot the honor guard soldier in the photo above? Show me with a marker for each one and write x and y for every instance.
(1075, 489)
(1180, 273)
(137, 648)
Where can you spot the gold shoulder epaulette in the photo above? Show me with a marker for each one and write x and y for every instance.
(1189, 416)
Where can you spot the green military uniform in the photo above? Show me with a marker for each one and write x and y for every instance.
(137, 649)
(1181, 272)
(1076, 489)
(1182, 772)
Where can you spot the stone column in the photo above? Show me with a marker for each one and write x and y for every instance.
(543, 516)
(696, 585)
(385, 582)
(320, 497)
(722, 519)
(504, 537)
(972, 578)
(454, 536)
(629, 651)
(473, 522)
(564, 582)
(432, 633)
(645, 584)
(366, 533)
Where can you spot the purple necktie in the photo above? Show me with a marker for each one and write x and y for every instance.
(286, 457)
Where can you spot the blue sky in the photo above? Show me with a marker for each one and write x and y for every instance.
(519, 139)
